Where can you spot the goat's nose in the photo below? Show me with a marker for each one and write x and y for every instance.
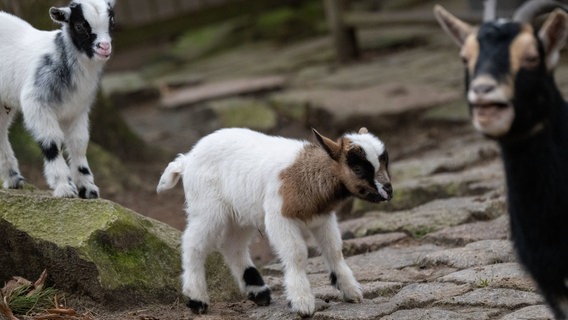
(388, 188)
(483, 88)
(104, 45)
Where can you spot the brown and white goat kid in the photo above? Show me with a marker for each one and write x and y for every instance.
(238, 181)
(513, 99)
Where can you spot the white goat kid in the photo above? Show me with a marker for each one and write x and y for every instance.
(238, 181)
(52, 77)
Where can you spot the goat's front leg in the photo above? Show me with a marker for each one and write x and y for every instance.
(9, 171)
(287, 239)
(76, 142)
(44, 127)
(326, 232)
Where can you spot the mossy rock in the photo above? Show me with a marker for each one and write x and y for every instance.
(242, 112)
(95, 249)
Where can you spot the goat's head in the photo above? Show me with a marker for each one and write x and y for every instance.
(88, 23)
(362, 164)
(508, 65)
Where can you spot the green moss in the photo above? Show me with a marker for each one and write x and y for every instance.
(245, 113)
(118, 255)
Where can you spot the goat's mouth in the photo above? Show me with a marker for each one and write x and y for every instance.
(376, 196)
(493, 118)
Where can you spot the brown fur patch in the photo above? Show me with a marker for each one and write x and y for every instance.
(470, 51)
(311, 185)
(524, 50)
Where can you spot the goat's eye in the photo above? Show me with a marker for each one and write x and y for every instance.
(464, 59)
(359, 171)
(531, 61)
(111, 23)
(81, 27)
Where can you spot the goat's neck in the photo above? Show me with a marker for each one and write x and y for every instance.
(311, 185)
(537, 173)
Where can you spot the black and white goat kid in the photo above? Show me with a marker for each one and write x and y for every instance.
(513, 99)
(52, 77)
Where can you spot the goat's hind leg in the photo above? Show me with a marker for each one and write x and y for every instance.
(235, 250)
(9, 170)
(196, 245)
(328, 237)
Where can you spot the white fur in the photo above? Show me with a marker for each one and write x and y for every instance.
(231, 182)
(61, 121)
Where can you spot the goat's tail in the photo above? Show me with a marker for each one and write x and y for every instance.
(171, 175)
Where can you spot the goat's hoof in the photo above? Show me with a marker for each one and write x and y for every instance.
(197, 306)
(354, 295)
(92, 193)
(65, 190)
(305, 308)
(15, 181)
(261, 298)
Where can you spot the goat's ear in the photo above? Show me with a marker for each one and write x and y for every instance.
(553, 36)
(332, 148)
(454, 27)
(363, 130)
(60, 15)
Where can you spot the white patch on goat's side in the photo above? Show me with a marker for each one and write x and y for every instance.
(372, 146)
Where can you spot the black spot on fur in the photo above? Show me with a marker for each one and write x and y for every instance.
(84, 171)
(53, 75)
(197, 306)
(261, 298)
(111, 23)
(333, 279)
(80, 31)
(50, 152)
(252, 277)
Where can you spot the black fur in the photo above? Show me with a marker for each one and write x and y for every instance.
(84, 171)
(252, 277)
(50, 152)
(260, 298)
(80, 31)
(536, 166)
(333, 279)
(197, 306)
(53, 75)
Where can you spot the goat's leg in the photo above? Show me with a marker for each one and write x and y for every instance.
(235, 250)
(328, 237)
(44, 127)
(9, 171)
(197, 243)
(76, 142)
(287, 239)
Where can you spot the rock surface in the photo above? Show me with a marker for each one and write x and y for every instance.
(95, 248)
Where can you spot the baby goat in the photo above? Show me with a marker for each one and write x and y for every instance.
(239, 181)
(513, 99)
(52, 77)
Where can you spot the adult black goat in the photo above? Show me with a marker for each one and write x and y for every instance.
(513, 99)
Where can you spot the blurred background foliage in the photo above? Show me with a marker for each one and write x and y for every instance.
(193, 30)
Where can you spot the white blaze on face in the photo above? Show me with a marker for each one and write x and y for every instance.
(373, 148)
